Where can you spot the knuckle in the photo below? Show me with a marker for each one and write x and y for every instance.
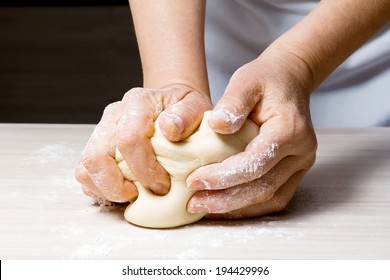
(80, 174)
(127, 142)
(115, 197)
(261, 190)
(240, 72)
(137, 116)
(88, 192)
(91, 162)
(110, 108)
(311, 161)
(279, 203)
(311, 144)
(254, 84)
(302, 127)
(267, 193)
(234, 102)
(305, 133)
(88, 161)
(136, 93)
(135, 90)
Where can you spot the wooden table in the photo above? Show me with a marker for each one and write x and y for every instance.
(340, 211)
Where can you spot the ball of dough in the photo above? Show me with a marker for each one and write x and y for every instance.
(179, 159)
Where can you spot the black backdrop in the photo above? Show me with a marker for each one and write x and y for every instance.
(64, 61)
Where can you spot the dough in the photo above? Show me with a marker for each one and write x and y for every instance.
(179, 160)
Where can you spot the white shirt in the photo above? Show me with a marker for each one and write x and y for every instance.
(357, 93)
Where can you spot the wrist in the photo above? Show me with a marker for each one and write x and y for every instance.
(288, 69)
(164, 79)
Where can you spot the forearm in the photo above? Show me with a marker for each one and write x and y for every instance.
(170, 36)
(331, 33)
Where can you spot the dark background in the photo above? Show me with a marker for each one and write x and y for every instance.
(64, 61)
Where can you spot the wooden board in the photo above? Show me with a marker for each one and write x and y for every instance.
(341, 209)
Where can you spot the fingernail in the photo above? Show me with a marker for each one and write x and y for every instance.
(226, 121)
(197, 208)
(160, 189)
(199, 185)
(176, 125)
(221, 115)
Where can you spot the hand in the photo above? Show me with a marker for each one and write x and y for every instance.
(128, 125)
(274, 93)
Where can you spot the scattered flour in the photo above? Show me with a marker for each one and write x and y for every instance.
(189, 254)
(234, 121)
(55, 163)
(192, 242)
(53, 153)
(107, 241)
(108, 206)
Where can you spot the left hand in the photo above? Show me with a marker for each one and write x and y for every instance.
(128, 125)
(274, 93)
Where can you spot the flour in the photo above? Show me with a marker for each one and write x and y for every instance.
(190, 242)
(55, 163)
(105, 242)
(233, 121)
(192, 253)
(175, 124)
(85, 232)
(54, 153)
(237, 234)
(283, 233)
(245, 167)
(245, 178)
(108, 206)
(223, 237)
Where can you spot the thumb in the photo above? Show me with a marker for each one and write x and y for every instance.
(181, 119)
(241, 95)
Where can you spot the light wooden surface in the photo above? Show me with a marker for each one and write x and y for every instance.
(341, 210)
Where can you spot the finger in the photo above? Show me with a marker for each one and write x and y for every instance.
(238, 169)
(88, 187)
(276, 204)
(87, 192)
(181, 119)
(138, 153)
(99, 163)
(108, 178)
(271, 145)
(240, 96)
(244, 195)
(136, 127)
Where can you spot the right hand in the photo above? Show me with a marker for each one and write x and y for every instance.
(128, 125)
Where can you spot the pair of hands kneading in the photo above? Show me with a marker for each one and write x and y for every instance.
(272, 91)
(179, 159)
(224, 174)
